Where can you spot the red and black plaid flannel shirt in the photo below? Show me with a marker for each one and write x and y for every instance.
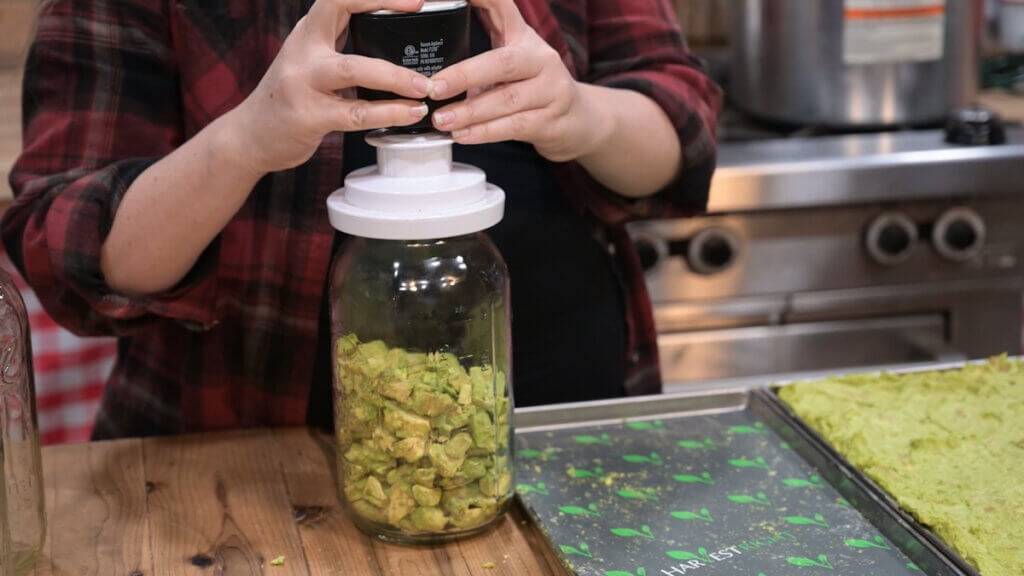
(114, 85)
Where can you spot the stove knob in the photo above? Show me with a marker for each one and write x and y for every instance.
(975, 126)
(958, 234)
(712, 250)
(647, 251)
(891, 238)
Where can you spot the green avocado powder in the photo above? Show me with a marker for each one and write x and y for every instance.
(948, 446)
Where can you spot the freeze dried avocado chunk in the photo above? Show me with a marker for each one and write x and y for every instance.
(422, 439)
(472, 517)
(467, 506)
(424, 476)
(366, 510)
(430, 403)
(364, 411)
(373, 492)
(355, 471)
(401, 474)
(459, 499)
(410, 449)
(474, 468)
(428, 519)
(346, 346)
(459, 479)
(495, 485)
(465, 397)
(482, 429)
(405, 424)
(453, 419)
(383, 440)
(458, 445)
(445, 464)
(400, 502)
(369, 457)
(355, 489)
(374, 350)
(447, 457)
(482, 387)
(397, 390)
(426, 496)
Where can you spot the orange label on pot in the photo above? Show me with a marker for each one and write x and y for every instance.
(893, 31)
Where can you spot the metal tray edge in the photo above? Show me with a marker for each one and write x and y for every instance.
(617, 410)
(915, 368)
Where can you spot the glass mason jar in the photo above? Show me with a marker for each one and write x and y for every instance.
(19, 436)
(5, 541)
(423, 407)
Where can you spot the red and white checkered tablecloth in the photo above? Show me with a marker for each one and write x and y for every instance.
(70, 371)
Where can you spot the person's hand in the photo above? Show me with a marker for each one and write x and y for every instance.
(519, 90)
(299, 100)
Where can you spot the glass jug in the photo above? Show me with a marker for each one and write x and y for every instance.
(19, 437)
(422, 346)
(5, 542)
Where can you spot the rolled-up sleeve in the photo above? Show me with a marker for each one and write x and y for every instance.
(101, 103)
(638, 45)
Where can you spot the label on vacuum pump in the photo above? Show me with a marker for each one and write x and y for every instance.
(893, 31)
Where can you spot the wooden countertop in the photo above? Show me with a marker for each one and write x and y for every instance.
(228, 504)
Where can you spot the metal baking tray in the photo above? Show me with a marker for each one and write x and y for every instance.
(560, 444)
(867, 485)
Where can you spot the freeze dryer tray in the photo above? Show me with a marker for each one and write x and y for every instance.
(823, 449)
(716, 484)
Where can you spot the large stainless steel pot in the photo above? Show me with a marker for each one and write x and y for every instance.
(853, 63)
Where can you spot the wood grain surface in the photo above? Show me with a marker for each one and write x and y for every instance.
(228, 504)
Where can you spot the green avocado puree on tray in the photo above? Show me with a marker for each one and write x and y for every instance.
(948, 446)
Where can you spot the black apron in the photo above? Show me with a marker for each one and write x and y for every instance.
(568, 309)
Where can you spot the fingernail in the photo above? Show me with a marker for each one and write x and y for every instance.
(460, 133)
(438, 89)
(418, 111)
(422, 85)
(443, 118)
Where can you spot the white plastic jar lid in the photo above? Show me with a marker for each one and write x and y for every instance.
(415, 192)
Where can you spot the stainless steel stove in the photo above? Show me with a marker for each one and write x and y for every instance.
(836, 252)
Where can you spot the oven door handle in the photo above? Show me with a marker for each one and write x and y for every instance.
(934, 347)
